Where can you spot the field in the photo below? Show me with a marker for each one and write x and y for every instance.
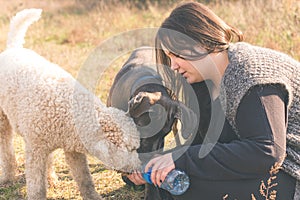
(70, 30)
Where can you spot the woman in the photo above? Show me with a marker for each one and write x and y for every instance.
(252, 111)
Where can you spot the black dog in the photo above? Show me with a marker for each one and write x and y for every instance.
(139, 90)
(136, 88)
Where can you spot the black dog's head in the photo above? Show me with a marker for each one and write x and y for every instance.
(154, 112)
(138, 89)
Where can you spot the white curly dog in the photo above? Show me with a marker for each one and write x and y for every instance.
(50, 109)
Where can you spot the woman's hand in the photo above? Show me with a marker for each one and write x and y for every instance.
(136, 178)
(161, 166)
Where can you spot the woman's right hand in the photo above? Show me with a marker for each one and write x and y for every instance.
(136, 178)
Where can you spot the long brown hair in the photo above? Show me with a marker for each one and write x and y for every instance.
(191, 25)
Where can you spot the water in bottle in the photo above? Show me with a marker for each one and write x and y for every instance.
(176, 182)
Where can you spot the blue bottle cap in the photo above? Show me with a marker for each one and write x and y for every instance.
(147, 176)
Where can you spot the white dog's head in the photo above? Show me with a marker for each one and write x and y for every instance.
(121, 141)
(106, 132)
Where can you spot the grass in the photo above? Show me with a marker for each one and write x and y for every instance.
(70, 30)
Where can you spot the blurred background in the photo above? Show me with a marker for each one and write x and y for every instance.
(70, 30)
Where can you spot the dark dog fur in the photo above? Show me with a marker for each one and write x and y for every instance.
(133, 89)
(137, 89)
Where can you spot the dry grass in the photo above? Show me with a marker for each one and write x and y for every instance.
(71, 29)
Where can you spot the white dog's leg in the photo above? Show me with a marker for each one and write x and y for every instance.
(7, 154)
(35, 171)
(51, 175)
(80, 171)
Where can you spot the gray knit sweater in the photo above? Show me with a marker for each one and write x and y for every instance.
(251, 65)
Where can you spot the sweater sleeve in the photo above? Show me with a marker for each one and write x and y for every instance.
(261, 123)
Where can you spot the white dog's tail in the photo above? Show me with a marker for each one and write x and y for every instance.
(19, 25)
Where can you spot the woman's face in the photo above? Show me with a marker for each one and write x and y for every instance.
(192, 71)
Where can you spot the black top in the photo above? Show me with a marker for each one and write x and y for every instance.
(261, 122)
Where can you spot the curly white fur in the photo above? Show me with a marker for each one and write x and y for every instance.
(50, 109)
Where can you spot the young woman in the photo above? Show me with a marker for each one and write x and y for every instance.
(248, 98)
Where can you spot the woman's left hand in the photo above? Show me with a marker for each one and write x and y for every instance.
(161, 166)
(136, 178)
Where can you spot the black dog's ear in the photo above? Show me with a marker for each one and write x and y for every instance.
(139, 108)
(142, 120)
(188, 119)
(178, 110)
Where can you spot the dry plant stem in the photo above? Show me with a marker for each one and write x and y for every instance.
(266, 190)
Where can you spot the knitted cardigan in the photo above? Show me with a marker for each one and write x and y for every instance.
(252, 65)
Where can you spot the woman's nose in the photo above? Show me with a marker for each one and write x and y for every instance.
(174, 64)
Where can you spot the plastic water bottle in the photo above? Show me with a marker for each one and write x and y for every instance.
(176, 182)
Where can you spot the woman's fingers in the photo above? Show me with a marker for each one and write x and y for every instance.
(160, 167)
(164, 174)
(157, 169)
(136, 178)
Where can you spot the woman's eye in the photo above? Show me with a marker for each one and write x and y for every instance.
(176, 55)
(171, 54)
